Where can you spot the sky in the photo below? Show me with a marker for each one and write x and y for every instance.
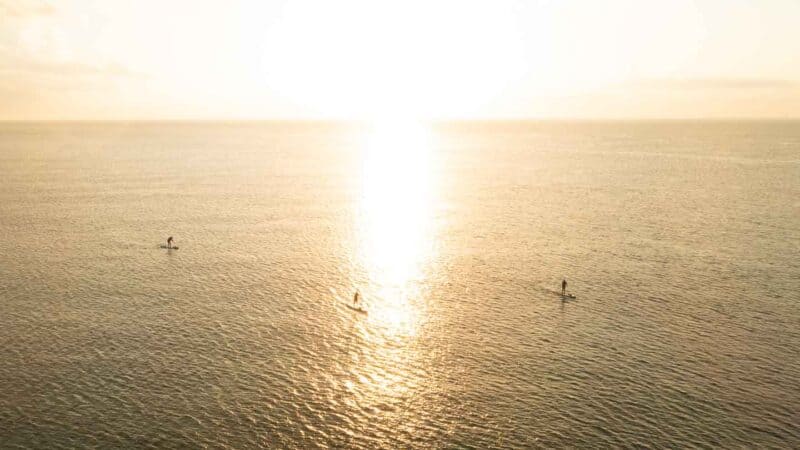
(371, 59)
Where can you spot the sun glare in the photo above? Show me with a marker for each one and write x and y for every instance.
(395, 216)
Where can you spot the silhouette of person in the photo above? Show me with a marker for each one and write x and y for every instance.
(564, 286)
(169, 242)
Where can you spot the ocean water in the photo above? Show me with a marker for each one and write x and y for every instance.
(680, 240)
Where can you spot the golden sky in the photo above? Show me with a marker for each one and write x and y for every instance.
(370, 59)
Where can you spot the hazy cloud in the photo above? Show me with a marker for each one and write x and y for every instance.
(16, 67)
(23, 8)
(682, 98)
(716, 84)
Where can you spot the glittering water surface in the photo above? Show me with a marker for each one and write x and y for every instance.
(680, 240)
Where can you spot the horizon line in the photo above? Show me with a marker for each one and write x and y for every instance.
(434, 121)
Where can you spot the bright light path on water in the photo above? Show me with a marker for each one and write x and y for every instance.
(395, 233)
(395, 219)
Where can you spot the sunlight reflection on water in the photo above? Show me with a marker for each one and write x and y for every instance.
(395, 220)
(395, 229)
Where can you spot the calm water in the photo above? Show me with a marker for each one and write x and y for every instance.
(680, 240)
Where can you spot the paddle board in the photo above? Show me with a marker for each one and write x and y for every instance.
(168, 248)
(553, 291)
(356, 309)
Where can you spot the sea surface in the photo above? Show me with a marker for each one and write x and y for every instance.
(680, 240)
